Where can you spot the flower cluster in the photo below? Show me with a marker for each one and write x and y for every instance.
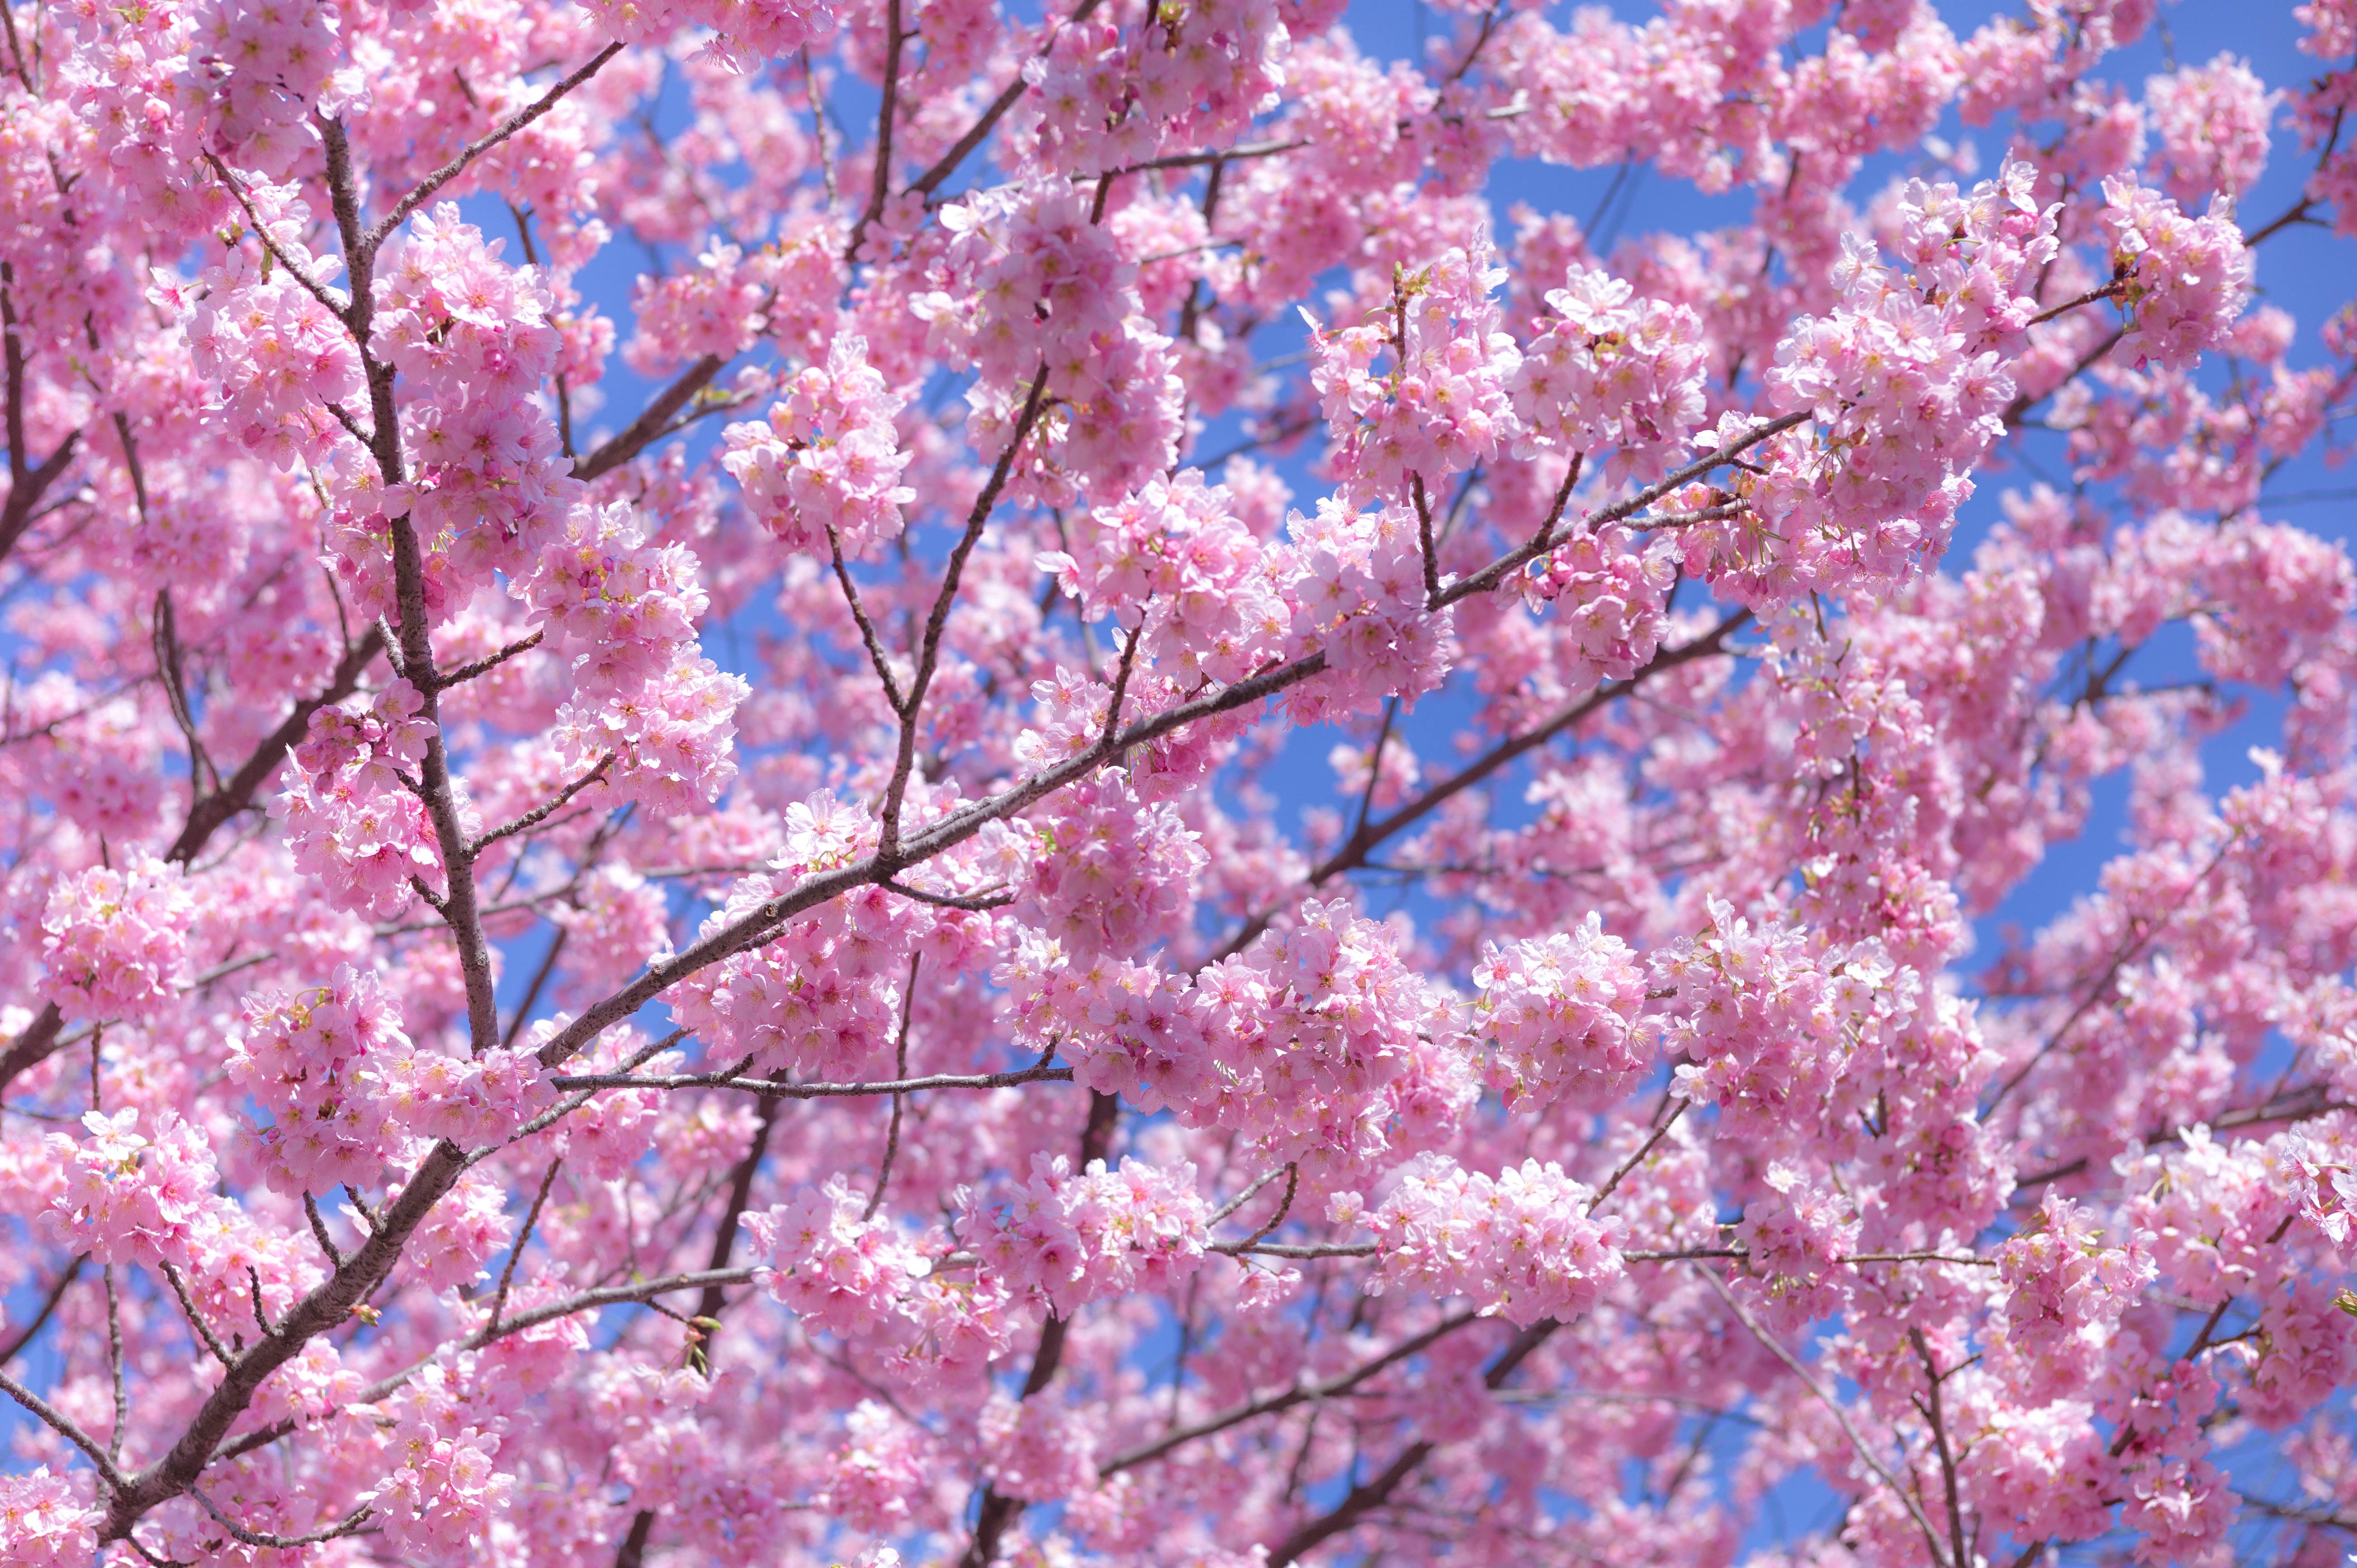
(1442, 404)
(1561, 1010)
(877, 1479)
(446, 1488)
(1113, 873)
(747, 30)
(2066, 1291)
(1037, 1449)
(827, 464)
(1610, 368)
(317, 1062)
(353, 819)
(2213, 123)
(669, 745)
(1765, 1027)
(840, 1272)
(617, 607)
(115, 944)
(854, 1023)
(1522, 1244)
(1109, 96)
(1173, 563)
(1610, 594)
(277, 355)
(822, 996)
(474, 336)
(43, 1524)
(1039, 290)
(1904, 383)
(1076, 1239)
(1355, 582)
(266, 68)
(125, 1197)
(1796, 1239)
(2184, 280)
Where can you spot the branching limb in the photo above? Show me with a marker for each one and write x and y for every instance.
(975, 902)
(28, 481)
(196, 1318)
(1498, 571)
(979, 132)
(875, 654)
(338, 308)
(489, 661)
(1367, 1496)
(40, 1319)
(425, 189)
(892, 1138)
(523, 1237)
(319, 1231)
(1038, 1074)
(2109, 291)
(652, 420)
(205, 815)
(49, 1416)
(1247, 1194)
(930, 651)
(895, 36)
(1259, 1249)
(1866, 1456)
(349, 1525)
(995, 1510)
(1612, 1183)
(542, 812)
(1251, 1244)
(1302, 1393)
(1957, 1542)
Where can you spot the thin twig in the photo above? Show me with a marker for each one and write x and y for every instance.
(1300, 1394)
(349, 1525)
(31, 1331)
(892, 1138)
(195, 1318)
(515, 1252)
(424, 191)
(1962, 1553)
(540, 813)
(51, 1418)
(1612, 1183)
(1858, 1444)
(489, 662)
(114, 1363)
(930, 649)
(1039, 1074)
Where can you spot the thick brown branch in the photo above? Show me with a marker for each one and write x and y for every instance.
(652, 420)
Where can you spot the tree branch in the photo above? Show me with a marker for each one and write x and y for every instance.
(652, 422)
(424, 191)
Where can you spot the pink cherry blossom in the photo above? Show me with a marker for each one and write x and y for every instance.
(870, 782)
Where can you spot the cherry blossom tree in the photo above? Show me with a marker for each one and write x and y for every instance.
(810, 781)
